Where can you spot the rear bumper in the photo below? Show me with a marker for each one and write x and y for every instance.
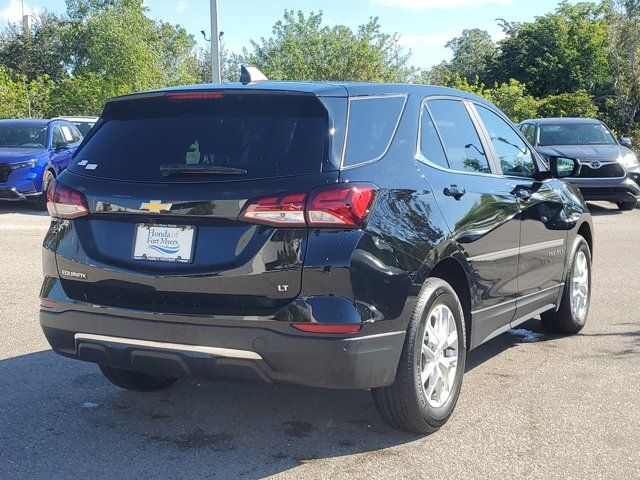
(367, 360)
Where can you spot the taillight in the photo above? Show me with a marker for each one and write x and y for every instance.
(65, 202)
(287, 210)
(330, 328)
(345, 205)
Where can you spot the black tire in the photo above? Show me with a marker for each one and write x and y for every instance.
(566, 321)
(130, 380)
(404, 404)
(626, 206)
(41, 200)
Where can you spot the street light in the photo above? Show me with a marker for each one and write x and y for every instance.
(215, 44)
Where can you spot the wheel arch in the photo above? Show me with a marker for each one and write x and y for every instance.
(585, 231)
(453, 272)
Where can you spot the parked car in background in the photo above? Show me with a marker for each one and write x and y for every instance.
(610, 169)
(82, 123)
(32, 154)
(351, 236)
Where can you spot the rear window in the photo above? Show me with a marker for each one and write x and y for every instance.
(202, 139)
(372, 124)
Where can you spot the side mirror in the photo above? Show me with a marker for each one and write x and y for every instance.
(563, 167)
(62, 146)
(625, 142)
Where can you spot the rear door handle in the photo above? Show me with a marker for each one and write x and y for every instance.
(455, 191)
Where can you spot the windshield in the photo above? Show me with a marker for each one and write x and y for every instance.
(23, 136)
(84, 127)
(576, 134)
(168, 140)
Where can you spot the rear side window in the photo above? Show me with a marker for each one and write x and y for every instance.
(372, 124)
(189, 138)
(430, 144)
(460, 138)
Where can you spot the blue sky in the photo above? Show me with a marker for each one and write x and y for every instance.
(425, 25)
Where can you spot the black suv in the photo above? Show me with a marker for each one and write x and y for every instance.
(347, 236)
(610, 169)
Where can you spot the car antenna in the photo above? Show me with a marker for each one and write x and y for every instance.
(250, 74)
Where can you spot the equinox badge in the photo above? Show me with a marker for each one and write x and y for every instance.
(156, 206)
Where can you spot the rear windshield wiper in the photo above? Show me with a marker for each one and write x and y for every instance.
(181, 169)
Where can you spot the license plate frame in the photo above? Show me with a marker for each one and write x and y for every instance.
(173, 243)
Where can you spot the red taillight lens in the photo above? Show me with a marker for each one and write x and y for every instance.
(346, 205)
(65, 202)
(195, 96)
(287, 210)
(331, 328)
(339, 206)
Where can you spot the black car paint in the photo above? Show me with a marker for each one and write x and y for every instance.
(370, 276)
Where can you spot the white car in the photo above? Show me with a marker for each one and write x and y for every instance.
(84, 124)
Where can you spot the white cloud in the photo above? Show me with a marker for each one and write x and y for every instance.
(13, 12)
(425, 4)
(440, 39)
(182, 6)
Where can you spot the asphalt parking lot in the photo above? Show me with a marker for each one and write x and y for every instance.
(532, 405)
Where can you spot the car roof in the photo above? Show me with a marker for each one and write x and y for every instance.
(563, 121)
(323, 89)
(81, 118)
(26, 121)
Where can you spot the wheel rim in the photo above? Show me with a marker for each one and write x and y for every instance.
(580, 286)
(439, 359)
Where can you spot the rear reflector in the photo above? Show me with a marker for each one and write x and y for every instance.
(345, 205)
(195, 96)
(65, 202)
(333, 328)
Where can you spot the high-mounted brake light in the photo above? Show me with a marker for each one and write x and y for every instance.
(330, 328)
(195, 96)
(65, 202)
(345, 205)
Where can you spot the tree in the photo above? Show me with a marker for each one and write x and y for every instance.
(302, 48)
(559, 52)
(624, 55)
(578, 104)
(40, 51)
(472, 52)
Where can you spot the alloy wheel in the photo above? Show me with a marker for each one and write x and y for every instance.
(580, 286)
(439, 359)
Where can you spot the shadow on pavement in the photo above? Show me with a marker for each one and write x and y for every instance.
(600, 210)
(61, 417)
(24, 207)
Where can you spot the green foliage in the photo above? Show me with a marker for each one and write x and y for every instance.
(472, 53)
(578, 104)
(302, 48)
(24, 98)
(559, 52)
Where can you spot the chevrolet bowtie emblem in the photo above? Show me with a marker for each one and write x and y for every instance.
(156, 206)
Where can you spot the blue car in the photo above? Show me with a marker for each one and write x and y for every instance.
(32, 154)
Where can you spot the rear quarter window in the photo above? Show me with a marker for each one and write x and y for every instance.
(372, 124)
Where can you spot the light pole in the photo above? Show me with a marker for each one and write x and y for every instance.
(215, 43)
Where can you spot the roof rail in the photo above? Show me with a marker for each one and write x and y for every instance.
(250, 74)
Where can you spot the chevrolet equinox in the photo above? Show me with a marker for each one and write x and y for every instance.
(346, 236)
